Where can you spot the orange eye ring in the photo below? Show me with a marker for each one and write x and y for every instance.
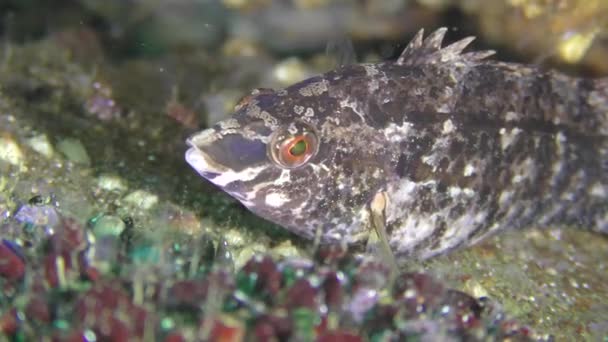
(295, 150)
(289, 150)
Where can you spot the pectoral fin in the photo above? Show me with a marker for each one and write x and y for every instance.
(379, 241)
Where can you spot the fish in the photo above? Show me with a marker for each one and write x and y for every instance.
(456, 145)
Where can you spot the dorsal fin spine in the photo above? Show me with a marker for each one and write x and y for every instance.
(429, 50)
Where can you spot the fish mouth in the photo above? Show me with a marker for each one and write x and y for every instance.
(202, 162)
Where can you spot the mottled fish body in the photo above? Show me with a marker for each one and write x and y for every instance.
(461, 147)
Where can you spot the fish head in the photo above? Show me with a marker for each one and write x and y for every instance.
(294, 158)
(266, 159)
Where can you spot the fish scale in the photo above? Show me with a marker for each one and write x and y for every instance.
(460, 146)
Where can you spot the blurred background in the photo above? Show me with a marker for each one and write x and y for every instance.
(563, 31)
(213, 50)
(273, 43)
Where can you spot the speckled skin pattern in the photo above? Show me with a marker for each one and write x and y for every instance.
(462, 146)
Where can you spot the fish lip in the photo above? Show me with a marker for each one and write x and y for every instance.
(202, 162)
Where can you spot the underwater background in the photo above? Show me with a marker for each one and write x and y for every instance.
(108, 235)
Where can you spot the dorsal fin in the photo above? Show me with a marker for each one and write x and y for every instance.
(341, 49)
(429, 50)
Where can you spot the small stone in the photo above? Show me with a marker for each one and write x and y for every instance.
(240, 47)
(41, 144)
(290, 71)
(475, 288)
(234, 237)
(10, 151)
(109, 182)
(108, 225)
(37, 215)
(285, 250)
(74, 151)
(141, 199)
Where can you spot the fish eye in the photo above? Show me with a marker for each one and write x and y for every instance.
(289, 150)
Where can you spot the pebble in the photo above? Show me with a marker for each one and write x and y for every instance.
(41, 144)
(142, 199)
(286, 250)
(111, 182)
(10, 151)
(108, 225)
(290, 71)
(74, 151)
(37, 215)
(234, 237)
(243, 255)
